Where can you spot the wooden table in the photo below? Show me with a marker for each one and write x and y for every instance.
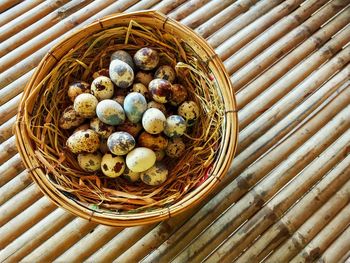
(286, 196)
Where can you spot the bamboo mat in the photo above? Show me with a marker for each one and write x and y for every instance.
(286, 196)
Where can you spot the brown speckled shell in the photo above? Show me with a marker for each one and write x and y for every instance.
(160, 90)
(179, 94)
(70, 119)
(155, 142)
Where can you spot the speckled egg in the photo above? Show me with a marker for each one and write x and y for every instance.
(110, 112)
(153, 141)
(140, 159)
(176, 147)
(156, 175)
(112, 166)
(190, 111)
(132, 128)
(70, 119)
(130, 175)
(160, 154)
(123, 56)
(102, 72)
(120, 99)
(90, 162)
(83, 141)
(76, 88)
(153, 121)
(103, 146)
(156, 105)
(175, 126)
(179, 94)
(121, 74)
(140, 88)
(104, 130)
(102, 88)
(146, 58)
(135, 105)
(160, 90)
(165, 72)
(82, 127)
(85, 105)
(120, 143)
(143, 77)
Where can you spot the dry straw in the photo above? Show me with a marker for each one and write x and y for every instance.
(210, 144)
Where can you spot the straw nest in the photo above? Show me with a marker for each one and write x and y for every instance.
(210, 143)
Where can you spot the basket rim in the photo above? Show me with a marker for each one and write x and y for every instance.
(227, 149)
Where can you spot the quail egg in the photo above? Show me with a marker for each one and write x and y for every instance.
(135, 105)
(76, 88)
(143, 77)
(130, 175)
(175, 148)
(85, 105)
(120, 143)
(155, 175)
(160, 154)
(152, 141)
(140, 88)
(157, 105)
(102, 88)
(132, 128)
(140, 159)
(175, 126)
(146, 58)
(82, 127)
(153, 121)
(123, 56)
(165, 72)
(90, 162)
(102, 72)
(190, 111)
(70, 119)
(112, 166)
(160, 90)
(120, 99)
(83, 141)
(110, 112)
(179, 94)
(121, 73)
(104, 130)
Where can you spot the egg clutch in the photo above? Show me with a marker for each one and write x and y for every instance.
(130, 118)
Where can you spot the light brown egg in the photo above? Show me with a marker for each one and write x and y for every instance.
(143, 77)
(179, 94)
(165, 72)
(132, 128)
(104, 130)
(76, 88)
(90, 162)
(146, 58)
(156, 175)
(70, 119)
(154, 142)
(83, 141)
(175, 148)
(85, 105)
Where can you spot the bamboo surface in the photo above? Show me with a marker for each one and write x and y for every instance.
(286, 195)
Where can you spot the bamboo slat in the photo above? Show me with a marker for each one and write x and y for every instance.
(213, 24)
(6, 4)
(241, 21)
(323, 239)
(53, 247)
(28, 18)
(187, 8)
(120, 243)
(10, 169)
(18, 203)
(283, 46)
(38, 27)
(38, 234)
(249, 32)
(17, 184)
(294, 218)
(339, 248)
(33, 214)
(144, 4)
(20, 9)
(88, 244)
(202, 14)
(254, 199)
(287, 197)
(6, 129)
(166, 6)
(9, 109)
(7, 149)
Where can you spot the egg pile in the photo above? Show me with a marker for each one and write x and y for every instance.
(129, 118)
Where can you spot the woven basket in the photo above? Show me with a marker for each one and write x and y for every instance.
(40, 167)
